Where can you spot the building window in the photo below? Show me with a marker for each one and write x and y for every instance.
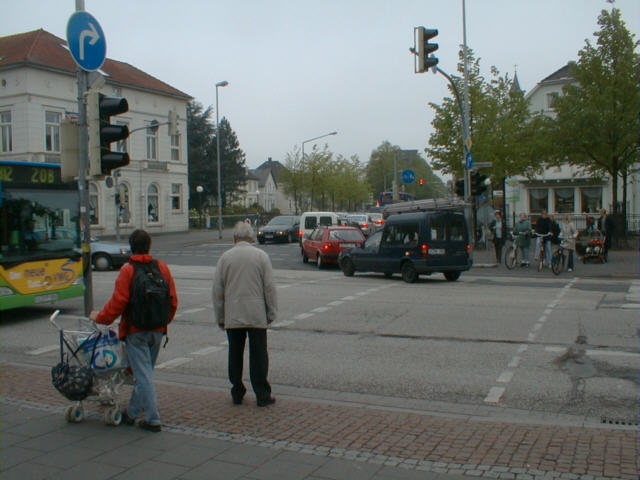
(121, 145)
(122, 201)
(591, 199)
(152, 143)
(152, 203)
(175, 148)
(176, 196)
(94, 212)
(551, 99)
(52, 131)
(6, 142)
(564, 200)
(538, 200)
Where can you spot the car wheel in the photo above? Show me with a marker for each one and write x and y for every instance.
(319, 261)
(452, 276)
(102, 262)
(347, 267)
(409, 273)
(304, 257)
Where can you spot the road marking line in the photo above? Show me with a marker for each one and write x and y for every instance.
(348, 298)
(495, 393)
(302, 316)
(542, 319)
(40, 351)
(630, 305)
(537, 327)
(335, 303)
(547, 311)
(207, 350)
(505, 377)
(320, 309)
(515, 361)
(604, 353)
(531, 337)
(284, 323)
(523, 348)
(192, 310)
(359, 294)
(175, 362)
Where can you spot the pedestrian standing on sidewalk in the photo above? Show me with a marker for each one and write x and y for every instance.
(568, 235)
(244, 303)
(497, 229)
(605, 225)
(523, 229)
(142, 344)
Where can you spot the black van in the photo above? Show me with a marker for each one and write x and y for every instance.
(414, 244)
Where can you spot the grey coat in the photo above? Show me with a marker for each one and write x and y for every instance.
(244, 292)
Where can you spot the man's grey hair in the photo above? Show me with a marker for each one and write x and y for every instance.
(243, 231)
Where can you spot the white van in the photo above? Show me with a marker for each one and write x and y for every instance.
(310, 220)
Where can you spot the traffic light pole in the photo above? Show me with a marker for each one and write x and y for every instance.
(85, 219)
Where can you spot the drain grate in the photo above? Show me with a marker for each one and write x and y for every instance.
(618, 421)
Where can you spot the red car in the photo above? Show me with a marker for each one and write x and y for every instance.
(325, 243)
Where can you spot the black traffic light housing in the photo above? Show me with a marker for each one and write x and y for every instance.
(478, 186)
(425, 48)
(102, 133)
(460, 188)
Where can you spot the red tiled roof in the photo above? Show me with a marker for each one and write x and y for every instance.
(42, 49)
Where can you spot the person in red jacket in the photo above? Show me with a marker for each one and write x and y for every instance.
(142, 346)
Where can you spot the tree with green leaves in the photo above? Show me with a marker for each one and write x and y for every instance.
(380, 172)
(199, 133)
(596, 126)
(232, 162)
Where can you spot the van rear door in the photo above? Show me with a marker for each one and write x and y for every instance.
(448, 240)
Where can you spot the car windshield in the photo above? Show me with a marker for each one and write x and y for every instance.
(358, 218)
(281, 221)
(345, 235)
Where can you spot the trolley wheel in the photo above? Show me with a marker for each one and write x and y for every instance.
(74, 413)
(112, 416)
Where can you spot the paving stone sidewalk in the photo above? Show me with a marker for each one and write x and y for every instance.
(205, 436)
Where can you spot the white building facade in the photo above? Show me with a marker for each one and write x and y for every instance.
(38, 91)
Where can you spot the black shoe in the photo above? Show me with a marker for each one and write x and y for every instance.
(151, 427)
(126, 419)
(266, 402)
(237, 399)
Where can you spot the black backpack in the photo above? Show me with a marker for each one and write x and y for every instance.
(149, 300)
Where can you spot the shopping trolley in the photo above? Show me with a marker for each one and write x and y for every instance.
(99, 354)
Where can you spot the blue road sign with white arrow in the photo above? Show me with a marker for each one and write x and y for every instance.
(408, 176)
(469, 160)
(86, 40)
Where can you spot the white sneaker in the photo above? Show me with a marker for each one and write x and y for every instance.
(570, 270)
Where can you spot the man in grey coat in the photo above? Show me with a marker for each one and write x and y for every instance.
(244, 302)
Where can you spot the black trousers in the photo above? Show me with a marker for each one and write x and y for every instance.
(258, 361)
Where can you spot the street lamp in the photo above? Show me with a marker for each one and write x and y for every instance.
(224, 83)
(311, 140)
(200, 189)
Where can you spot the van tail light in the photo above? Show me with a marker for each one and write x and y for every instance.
(424, 250)
(300, 233)
(468, 249)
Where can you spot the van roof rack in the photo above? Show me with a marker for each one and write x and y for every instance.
(427, 205)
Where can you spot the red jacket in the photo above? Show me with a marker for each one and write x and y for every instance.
(117, 304)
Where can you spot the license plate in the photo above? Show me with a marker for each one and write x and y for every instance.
(436, 251)
(52, 297)
(347, 245)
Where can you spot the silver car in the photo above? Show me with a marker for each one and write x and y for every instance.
(106, 255)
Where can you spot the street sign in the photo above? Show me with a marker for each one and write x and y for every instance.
(468, 160)
(482, 164)
(87, 43)
(408, 176)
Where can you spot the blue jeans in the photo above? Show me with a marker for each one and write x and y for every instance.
(143, 349)
(547, 250)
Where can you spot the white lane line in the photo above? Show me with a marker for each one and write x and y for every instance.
(537, 327)
(207, 350)
(335, 303)
(630, 306)
(192, 310)
(523, 348)
(495, 393)
(41, 350)
(505, 377)
(348, 298)
(302, 316)
(359, 294)
(284, 323)
(595, 353)
(320, 309)
(175, 362)
(515, 361)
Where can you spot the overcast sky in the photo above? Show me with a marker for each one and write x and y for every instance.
(298, 69)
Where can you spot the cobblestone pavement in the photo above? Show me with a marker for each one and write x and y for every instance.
(298, 437)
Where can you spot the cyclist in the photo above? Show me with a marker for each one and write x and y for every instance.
(543, 227)
(568, 235)
(523, 229)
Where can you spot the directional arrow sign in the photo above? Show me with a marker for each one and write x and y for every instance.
(86, 40)
(408, 176)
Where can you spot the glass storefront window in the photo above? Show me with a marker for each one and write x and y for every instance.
(591, 199)
(564, 200)
(538, 200)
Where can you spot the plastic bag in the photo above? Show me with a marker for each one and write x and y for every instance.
(109, 354)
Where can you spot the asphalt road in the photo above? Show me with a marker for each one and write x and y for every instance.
(526, 340)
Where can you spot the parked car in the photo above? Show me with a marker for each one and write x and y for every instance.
(325, 243)
(412, 244)
(283, 228)
(310, 220)
(106, 255)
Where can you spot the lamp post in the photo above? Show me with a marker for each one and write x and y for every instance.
(311, 140)
(224, 83)
(200, 189)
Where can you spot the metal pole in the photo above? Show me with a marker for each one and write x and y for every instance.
(465, 117)
(116, 174)
(218, 158)
(85, 218)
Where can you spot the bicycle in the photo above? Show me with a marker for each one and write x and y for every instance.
(541, 253)
(513, 255)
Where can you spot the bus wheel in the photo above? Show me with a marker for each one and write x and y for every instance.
(102, 262)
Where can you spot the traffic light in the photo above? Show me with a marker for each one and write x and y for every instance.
(460, 188)
(421, 181)
(425, 49)
(478, 186)
(102, 133)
